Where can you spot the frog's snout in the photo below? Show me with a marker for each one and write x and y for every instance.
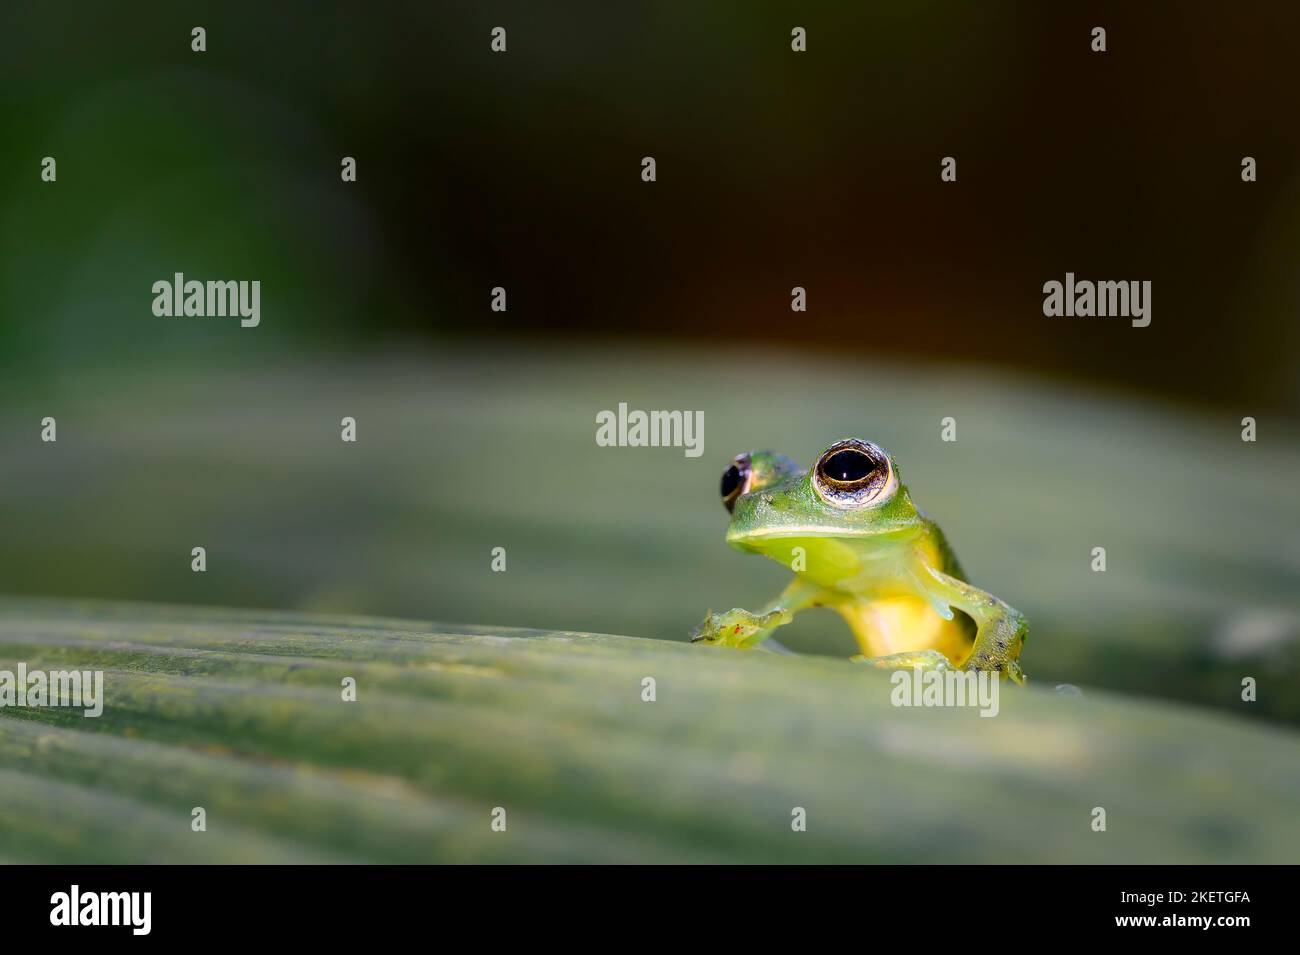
(756, 512)
(748, 507)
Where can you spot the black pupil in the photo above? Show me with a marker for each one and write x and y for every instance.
(730, 480)
(848, 466)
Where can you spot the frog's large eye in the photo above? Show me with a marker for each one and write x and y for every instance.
(852, 473)
(735, 480)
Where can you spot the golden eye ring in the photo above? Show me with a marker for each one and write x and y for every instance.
(852, 473)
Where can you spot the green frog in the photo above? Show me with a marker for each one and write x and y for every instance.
(857, 544)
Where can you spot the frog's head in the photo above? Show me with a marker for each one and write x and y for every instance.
(853, 489)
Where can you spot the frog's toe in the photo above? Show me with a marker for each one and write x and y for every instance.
(1008, 668)
(706, 632)
(733, 628)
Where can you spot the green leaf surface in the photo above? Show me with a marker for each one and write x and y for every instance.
(241, 712)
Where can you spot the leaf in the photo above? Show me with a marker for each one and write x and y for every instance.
(241, 712)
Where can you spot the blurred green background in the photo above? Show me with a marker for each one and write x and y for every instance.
(476, 429)
(775, 169)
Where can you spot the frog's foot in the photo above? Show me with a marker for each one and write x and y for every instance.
(1013, 670)
(925, 659)
(1007, 668)
(738, 628)
(998, 653)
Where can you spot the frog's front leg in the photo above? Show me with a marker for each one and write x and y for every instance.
(743, 629)
(1001, 628)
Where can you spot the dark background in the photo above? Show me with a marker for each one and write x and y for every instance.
(775, 169)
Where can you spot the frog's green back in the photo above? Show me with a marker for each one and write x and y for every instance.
(950, 564)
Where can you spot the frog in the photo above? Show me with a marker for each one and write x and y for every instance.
(848, 529)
